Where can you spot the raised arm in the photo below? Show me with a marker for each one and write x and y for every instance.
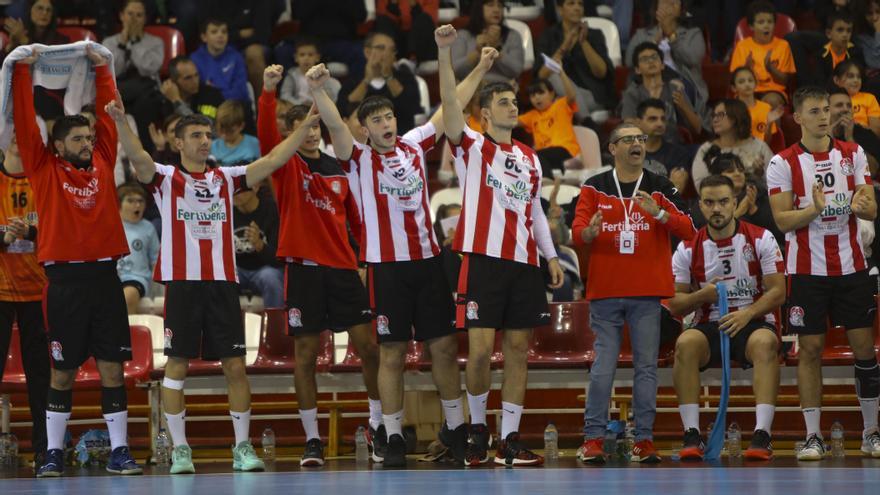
(262, 168)
(267, 125)
(105, 92)
(453, 119)
(141, 161)
(343, 142)
(34, 153)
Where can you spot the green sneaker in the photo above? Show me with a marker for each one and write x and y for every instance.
(182, 460)
(244, 458)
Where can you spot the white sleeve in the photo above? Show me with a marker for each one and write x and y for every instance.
(778, 176)
(541, 229)
(424, 136)
(681, 264)
(769, 254)
(862, 174)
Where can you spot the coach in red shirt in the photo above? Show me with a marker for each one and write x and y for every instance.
(626, 216)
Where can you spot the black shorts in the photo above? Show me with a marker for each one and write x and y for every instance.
(501, 294)
(203, 318)
(137, 285)
(847, 299)
(320, 298)
(85, 313)
(737, 343)
(410, 300)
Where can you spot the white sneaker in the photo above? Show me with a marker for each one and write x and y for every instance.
(813, 450)
(871, 444)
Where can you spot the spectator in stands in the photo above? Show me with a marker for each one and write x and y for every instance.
(486, 28)
(38, 25)
(768, 56)
(866, 111)
(866, 17)
(136, 269)
(732, 126)
(411, 23)
(764, 118)
(838, 49)
(381, 77)
(234, 146)
(572, 286)
(220, 64)
(166, 151)
(583, 54)
(255, 226)
(845, 128)
(250, 27)
(451, 259)
(550, 124)
(294, 87)
(649, 83)
(683, 47)
(334, 23)
(807, 45)
(663, 157)
(186, 93)
(137, 58)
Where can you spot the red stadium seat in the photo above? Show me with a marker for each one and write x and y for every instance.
(717, 77)
(175, 45)
(567, 342)
(414, 354)
(276, 352)
(784, 25)
(777, 141)
(136, 370)
(791, 130)
(350, 363)
(13, 376)
(76, 33)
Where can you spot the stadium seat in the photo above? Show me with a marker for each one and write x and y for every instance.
(588, 140)
(567, 342)
(76, 33)
(791, 130)
(157, 336)
(415, 353)
(717, 77)
(424, 101)
(136, 370)
(449, 195)
(784, 25)
(528, 46)
(612, 37)
(174, 44)
(13, 376)
(276, 354)
(520, 12)
(565, 195)
(253, 324)
(351, 363)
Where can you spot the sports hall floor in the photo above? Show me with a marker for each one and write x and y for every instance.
(785, 475)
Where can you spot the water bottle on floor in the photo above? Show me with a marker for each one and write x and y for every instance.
(734, 441)
(163, 448)
(361, 453)
(837, 447)
(629, 440)
(551, 443)
(268, 443)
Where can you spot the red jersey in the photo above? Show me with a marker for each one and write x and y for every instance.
(22, 279)
(78, 210)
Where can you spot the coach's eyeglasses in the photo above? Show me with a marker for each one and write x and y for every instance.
(641, 138)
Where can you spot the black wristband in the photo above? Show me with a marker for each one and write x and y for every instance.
(31, 234)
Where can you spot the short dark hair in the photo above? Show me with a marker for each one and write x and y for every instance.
(650, 103)
(296, 112)
(837, 90)
(759, 7)
(645, 45)
(539, 86)
(66, 123)
(742, 68)
(738, 112)
(203, 27)
(805, 93)
(716, 180)
(838, 16)
(616, 132)
(173, 73)
(306, 40)
(371, 105)
(230, 113)
(129, 189)
(169, 119)
(842, 68)
(719, 162)
(190, 120)
(490, 90)
(372, 35)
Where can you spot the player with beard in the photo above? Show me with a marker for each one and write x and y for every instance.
(747, 259)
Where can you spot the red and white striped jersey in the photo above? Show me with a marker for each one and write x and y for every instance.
(393, 198)
(829, 245)
(196, 209)
(501, 213)
(740, 262)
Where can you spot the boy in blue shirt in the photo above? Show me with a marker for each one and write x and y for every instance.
(234, 147)
(221, 65)
(136, 270)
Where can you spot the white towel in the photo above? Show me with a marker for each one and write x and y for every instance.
(59, 67)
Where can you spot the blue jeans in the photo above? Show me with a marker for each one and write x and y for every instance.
(606, 319)
(267, 281)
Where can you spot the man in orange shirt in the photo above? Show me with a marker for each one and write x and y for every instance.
(550, 123)
(768, 56)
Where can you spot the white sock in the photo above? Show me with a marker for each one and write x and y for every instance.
(241, 423)
(56, 425)
(812, 415)
(117, 426)
(690, 416)
(309, 418)
(477, 405)
(869, 413)
(510, 418)
(453, 411)
(392, 423)
(764, 416)
(177, 427)
(375, 413)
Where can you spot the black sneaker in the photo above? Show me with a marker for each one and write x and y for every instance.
(692, 448)
(53, 464)
(511, 452)
(378, 443)
(455, 440)
(477, 451)
(760, 449)
(313, 455)
(395, 455)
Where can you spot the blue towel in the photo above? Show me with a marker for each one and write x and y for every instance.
(716, 439)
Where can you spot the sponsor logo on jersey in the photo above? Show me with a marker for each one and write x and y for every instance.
(84, 197)
(215, 213)
(55, 346)
(294, 318)
(168, 336)
(472, 308)
(382, 325)
(748, 253)
(796, 316)
(637, 222)
(324, 203)
(414, 185)
(743, 288)
(838, 206)
(518, 191)
(846, 166)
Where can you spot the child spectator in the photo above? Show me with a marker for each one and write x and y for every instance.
(742, 83)
(866, 111)
(136, 269)
(221, 65)
(769, 57)
(294, 88)
(550, 124)
(234, 147)
(839, 47)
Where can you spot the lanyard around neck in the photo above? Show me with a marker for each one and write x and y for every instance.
(626, 209)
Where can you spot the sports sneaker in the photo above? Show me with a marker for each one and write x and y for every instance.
(244, 458)
(377, 442)
(644, 451)
(813, 450)
(477, 451)
(692, 448)
(395, 455)
(455, 440)
(313, 455)
(121, 462)
(871, 444)
(53, 464)
(182, 460)
(511, 452)
(592, 451)
(760, 448)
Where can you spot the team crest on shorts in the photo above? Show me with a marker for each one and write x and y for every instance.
(846, 166)
(382, 325)
(796, 316)
(472, 308)
(748, 253)
(168, 335)
(294, 318)
(56, 351)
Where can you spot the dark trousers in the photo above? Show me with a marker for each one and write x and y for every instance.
(553, 158)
